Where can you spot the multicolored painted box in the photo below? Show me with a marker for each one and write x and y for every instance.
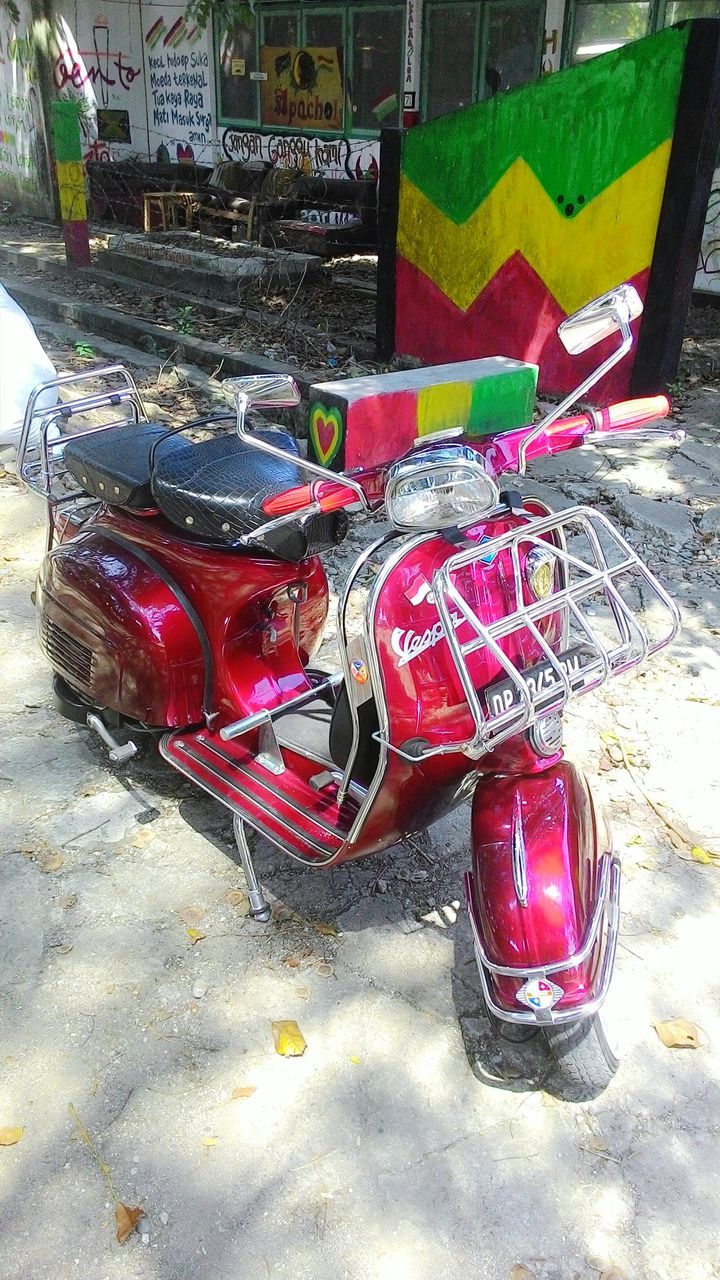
(365, 422)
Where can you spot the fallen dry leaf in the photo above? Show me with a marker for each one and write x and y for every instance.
(235, 897)
(701, 855)
(636, 839)
(355, 1061)
(613, 1273)
(292, 962)
(127, 1220)
(678, 1033)
(597, 1144)
(521, 1272)
(195, 935)
(289, 1039)
(51, 861)
(68, 901)
(192, 915)
(327, 930)
(243, 1091)
(325, 971)
(10, 1135)
(143, 837)
(209, 1142)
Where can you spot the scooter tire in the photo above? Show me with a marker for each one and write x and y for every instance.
(583, 1056)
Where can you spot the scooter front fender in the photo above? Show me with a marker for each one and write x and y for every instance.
(543, 893)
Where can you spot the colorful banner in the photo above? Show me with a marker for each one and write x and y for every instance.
(301, 88)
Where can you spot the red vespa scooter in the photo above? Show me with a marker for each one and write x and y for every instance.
(182, 595)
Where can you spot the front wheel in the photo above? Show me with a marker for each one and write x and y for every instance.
(585, 1059)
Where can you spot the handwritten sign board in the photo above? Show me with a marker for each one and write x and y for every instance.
(303, 88)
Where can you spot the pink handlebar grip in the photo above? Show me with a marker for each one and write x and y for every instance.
(631, 413)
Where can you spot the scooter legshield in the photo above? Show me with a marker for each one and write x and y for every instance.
(543, 891)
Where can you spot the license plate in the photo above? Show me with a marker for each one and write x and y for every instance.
(541, 680)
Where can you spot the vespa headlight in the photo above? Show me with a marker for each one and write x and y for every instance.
(439, 488)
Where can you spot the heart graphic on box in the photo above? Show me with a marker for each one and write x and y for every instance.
(326, 432)
(185, 153)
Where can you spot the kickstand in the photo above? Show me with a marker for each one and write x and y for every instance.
(259, 905)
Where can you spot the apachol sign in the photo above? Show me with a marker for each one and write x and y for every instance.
(303, 88)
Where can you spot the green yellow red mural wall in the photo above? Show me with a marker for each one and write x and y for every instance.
(515, 212)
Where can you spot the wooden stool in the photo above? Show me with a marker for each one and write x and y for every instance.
(171, 207)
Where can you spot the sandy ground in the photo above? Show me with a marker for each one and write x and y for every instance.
(404, 1143)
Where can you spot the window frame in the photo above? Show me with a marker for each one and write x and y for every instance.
(347, 12)
(483, 8)
(655, 23)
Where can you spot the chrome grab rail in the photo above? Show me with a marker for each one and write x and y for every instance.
(594, 576)
(258, 718)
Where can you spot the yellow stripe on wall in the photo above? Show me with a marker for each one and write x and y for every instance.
(71, 189)
(610, 240)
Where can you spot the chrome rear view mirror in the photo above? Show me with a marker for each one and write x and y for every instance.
(271, 390)
(600, 319)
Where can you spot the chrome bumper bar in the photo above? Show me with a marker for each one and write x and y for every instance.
(607, 906)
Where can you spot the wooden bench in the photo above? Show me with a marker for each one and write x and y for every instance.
(171, 206)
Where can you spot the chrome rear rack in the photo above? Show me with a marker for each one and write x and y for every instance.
(45, 426)
(613, 611)
(51, 418)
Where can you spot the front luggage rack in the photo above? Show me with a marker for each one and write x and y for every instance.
(605, 608)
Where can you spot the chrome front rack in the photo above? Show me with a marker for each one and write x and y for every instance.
(613, 611)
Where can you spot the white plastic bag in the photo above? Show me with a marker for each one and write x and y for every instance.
(23, 364)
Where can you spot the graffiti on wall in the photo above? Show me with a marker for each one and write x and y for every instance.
(24, 166)
(101, 67)
(328, 158)
(178, 87)
(707, 279)
(510, 219)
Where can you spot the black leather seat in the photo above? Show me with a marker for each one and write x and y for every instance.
(213, 490)
(216, 490)
(114, 465)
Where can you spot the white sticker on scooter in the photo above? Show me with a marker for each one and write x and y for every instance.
(539, 994)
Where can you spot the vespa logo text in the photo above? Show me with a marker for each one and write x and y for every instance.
(410, 644)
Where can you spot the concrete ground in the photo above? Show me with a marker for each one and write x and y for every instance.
(404, 1144)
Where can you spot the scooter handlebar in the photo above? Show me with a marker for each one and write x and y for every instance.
(630, 413)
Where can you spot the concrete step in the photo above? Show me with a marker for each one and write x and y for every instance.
(118, 326)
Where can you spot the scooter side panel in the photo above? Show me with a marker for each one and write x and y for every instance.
(535, 876)
(117, 634)
(260, 638)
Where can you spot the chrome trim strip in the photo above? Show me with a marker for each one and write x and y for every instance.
(519, 853)
(368, 632)
(608, 899)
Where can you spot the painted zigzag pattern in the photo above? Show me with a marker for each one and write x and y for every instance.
(462, 259)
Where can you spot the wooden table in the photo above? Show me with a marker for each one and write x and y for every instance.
(171, 206)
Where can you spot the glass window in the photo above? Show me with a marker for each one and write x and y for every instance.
(450, 57)
(513, 44)
(678, 10)
(376, 68)
(324, 30)
(280, 29)
(238, 93)
(601, 27)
